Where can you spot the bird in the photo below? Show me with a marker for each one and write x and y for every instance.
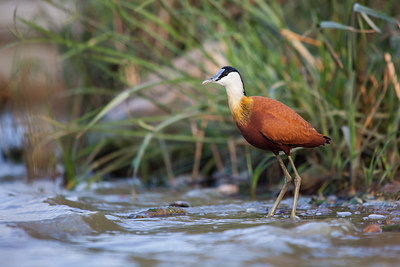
(269, 125)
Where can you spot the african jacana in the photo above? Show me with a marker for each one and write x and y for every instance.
(269, 125)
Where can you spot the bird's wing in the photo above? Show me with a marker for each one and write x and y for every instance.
(282, 125)
(285, 133)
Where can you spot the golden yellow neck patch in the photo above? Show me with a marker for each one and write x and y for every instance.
(241, 113)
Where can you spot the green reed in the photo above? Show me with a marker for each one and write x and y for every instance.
(332, 72)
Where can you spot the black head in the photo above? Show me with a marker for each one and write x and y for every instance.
(223, 72)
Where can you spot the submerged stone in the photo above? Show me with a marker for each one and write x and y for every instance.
(372, 228)
(343, 213)
(251, 210)
(159, 212)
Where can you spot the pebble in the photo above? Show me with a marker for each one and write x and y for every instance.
(376, 216)
(229, 189)
(343, 213)
(356, 200)
(249, 210)
(179, 203)
(331, 199)
(159, 212)
(372, 228)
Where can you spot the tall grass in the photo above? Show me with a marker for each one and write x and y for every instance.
(324, 59)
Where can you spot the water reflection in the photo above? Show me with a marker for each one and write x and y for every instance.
(11, 136)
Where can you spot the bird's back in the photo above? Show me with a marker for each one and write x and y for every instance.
(276, 127)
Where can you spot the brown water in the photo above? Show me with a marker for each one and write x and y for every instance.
(42, 225)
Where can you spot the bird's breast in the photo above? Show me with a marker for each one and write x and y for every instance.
(242, 111)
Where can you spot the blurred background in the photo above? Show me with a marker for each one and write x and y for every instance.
(110, 89)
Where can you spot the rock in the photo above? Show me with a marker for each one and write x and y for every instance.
(179, 203)
(251, 210)
(159, 212)
(376, 216)
(372, 228)
(391, 188)
(356, 200)
(313, 178)
(343, 213)
(229, 189)
(331, 199)
(323, 211)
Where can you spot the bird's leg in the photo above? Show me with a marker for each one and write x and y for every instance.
(297, 183)
(288, 180)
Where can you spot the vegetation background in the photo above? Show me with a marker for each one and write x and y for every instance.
(127, 100)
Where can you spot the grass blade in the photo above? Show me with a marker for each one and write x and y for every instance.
(121, 98)
(149, 137)
(374, 13)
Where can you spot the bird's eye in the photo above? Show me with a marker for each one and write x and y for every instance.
(223, 74)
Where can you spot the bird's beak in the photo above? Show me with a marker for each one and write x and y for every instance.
(208, 81)
(213, 78)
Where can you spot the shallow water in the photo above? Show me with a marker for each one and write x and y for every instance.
(42, 225)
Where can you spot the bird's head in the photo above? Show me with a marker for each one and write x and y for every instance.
(228, 77)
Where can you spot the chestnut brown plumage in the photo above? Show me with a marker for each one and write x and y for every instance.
(269, 125)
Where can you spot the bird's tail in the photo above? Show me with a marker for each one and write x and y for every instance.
(327, 139)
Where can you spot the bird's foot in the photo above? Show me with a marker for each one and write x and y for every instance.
(271, 214)
(296, 218)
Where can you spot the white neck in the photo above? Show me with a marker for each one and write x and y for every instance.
(234, 89)
(235, 95)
